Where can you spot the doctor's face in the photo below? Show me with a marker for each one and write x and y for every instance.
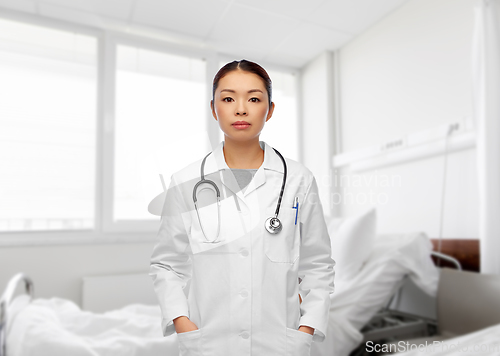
(241, 96)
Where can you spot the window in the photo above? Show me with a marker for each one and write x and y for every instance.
(47, 128)
(160, 125)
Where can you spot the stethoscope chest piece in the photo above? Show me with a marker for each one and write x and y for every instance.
(273, 225)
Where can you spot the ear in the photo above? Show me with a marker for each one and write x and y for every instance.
(270, 112)
(212, 107)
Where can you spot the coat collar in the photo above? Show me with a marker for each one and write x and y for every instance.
(216, 162)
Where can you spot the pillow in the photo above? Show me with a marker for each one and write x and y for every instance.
(352, 241)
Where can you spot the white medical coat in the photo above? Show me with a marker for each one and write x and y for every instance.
(243, 292)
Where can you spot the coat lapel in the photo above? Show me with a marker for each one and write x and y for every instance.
(216, 162)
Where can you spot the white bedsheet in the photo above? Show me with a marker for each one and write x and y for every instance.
(356, 301)
(483, 342)
(58, 327)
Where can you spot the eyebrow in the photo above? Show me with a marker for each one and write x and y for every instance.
(250, 91)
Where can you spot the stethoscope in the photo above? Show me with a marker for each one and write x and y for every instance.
(273, 224)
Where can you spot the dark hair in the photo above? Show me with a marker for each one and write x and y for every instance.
(246, 66)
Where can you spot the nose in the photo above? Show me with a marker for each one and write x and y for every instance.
(241, 109)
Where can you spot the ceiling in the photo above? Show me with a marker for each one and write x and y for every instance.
(282, 32)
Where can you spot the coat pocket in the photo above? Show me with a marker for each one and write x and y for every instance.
(190, 343)
(284, 246)
(298, 343)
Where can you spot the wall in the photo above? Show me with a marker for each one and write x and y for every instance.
(317, 126)
(409, 72)
(57, 270)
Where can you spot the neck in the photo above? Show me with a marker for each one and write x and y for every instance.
(243, 155)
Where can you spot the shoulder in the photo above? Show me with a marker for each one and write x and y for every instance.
(298, 168)
(299, 171)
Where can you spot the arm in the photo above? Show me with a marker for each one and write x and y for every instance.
(316, 267)
(170, 265)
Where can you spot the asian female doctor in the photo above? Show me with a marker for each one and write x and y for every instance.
(248, 272)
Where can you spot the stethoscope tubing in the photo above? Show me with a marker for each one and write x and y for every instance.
(282, 184)
(273, 224)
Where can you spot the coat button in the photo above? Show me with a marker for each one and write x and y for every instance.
(244, 253)
(245, 335)
(244, 294)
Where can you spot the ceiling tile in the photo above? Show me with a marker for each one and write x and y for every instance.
(298, 9)
(70, 15)
(244, 26)
(310, 39)
(287, 32)
(21, 5)
(168, 36)
(110, 8)
(192, 17)
(352, 16)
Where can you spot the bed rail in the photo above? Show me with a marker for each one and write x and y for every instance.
(6, 299)
(447, 258)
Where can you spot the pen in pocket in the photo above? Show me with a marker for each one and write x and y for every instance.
(296, 206)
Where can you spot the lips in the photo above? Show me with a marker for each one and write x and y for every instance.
(241, 125)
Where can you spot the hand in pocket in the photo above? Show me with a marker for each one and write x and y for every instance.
(183, 324)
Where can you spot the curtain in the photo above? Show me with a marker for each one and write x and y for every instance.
(486, 81)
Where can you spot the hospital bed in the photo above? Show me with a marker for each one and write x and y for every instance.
(395, 258)
(58, 326)
(390, 323)
(484, 342)
(468, 318)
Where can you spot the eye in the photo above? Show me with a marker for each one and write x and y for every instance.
(255, 101)
(227, 97)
